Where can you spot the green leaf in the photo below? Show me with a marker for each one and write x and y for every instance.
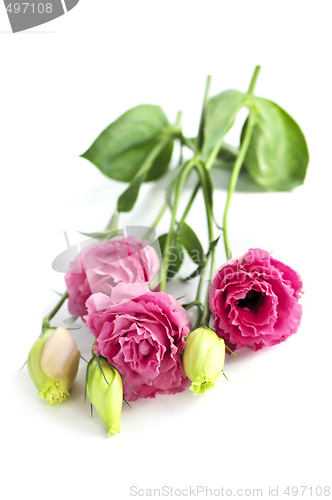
(176, 256)
(114, 222)
(200, 268)
(189, 240)
(226, 156)
(123, 146)
(103, 235)
(161, 154)
(220, 115)
(190, 142)
(162, 243)
(213, 244)
(128, 198)
(182, 297)
(175, 260)
(196, 272)
(277, 157)
(160, 165)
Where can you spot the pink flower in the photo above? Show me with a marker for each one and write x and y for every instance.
(101, 266)
(254, 300)
(142, 338)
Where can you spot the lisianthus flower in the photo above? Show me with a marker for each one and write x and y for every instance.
(142, 338)
(100, 266)
(104, 388)
(203, 359)
(254, 300)
(53, 363)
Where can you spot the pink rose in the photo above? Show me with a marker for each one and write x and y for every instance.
(101, 266)
(254, 300)
(142, 338)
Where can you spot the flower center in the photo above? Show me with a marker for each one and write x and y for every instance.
(252, 301)
(144, 348)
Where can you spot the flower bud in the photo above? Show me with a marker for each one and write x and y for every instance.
(105, 391)
(203, 359)
(53, 363)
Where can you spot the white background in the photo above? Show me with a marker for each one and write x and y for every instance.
(61, 84)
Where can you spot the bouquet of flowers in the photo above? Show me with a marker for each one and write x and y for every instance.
(144, 341)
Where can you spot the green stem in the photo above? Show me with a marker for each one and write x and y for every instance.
(253, 81)
(182, 178)
(178, 120)
(214, 153)
(238, 163)
(48, 318)
(201, 281)
(159, 216)
(186, 142)
(164, 207)
(200, 137)
(234, 177)
(191, 201)
(154, 225)
(201, 170)
(206, 313)
(236, 170)
(181, 154)
(192, 163)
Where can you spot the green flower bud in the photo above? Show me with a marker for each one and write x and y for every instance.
(105, 391)
(203, 359)
(53, 363)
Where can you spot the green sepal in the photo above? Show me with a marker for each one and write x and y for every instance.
(105, 391)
